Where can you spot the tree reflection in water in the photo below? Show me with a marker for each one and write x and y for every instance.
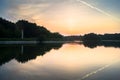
(24, 53)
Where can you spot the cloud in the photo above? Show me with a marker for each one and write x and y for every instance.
(17, 9)
(110, 6)
(99, 10)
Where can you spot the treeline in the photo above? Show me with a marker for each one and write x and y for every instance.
(93, 40)
(25, 29)
(98, 37)
(8, 29)
(115, 36)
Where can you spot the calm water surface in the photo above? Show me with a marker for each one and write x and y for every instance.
(59, 62)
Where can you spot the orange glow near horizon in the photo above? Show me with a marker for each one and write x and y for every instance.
(73, 19)
(74, 57)
(72, 26)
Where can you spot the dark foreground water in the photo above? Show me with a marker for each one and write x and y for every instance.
(59, 62)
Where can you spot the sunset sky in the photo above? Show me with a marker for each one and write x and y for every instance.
(68, 17)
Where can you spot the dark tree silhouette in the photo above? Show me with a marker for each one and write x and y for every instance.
(91, 37)
(115, 36)
(8, 29)
(24, 29)
(20, 26)
(93, 40)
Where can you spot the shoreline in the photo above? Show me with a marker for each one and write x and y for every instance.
(19, 42)
(33, 42)
(37, 42)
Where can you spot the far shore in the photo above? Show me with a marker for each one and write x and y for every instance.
(37, 42)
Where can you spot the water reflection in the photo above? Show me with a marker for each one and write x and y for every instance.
(24, 53)
(94, 44)
(56, 62)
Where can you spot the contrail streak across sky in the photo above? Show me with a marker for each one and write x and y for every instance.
(97, 9)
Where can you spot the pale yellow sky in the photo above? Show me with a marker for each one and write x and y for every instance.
(73, 20)
(68, 18)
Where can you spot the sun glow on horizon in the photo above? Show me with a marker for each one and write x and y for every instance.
(70, 19)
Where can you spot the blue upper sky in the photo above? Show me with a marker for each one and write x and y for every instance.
(110, 6)
(6, 6)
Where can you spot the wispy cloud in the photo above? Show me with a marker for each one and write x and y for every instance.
(99, 10)
(18, 9)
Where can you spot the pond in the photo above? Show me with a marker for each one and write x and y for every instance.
(70, 61)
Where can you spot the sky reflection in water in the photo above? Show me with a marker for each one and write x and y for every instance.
(70, 62)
